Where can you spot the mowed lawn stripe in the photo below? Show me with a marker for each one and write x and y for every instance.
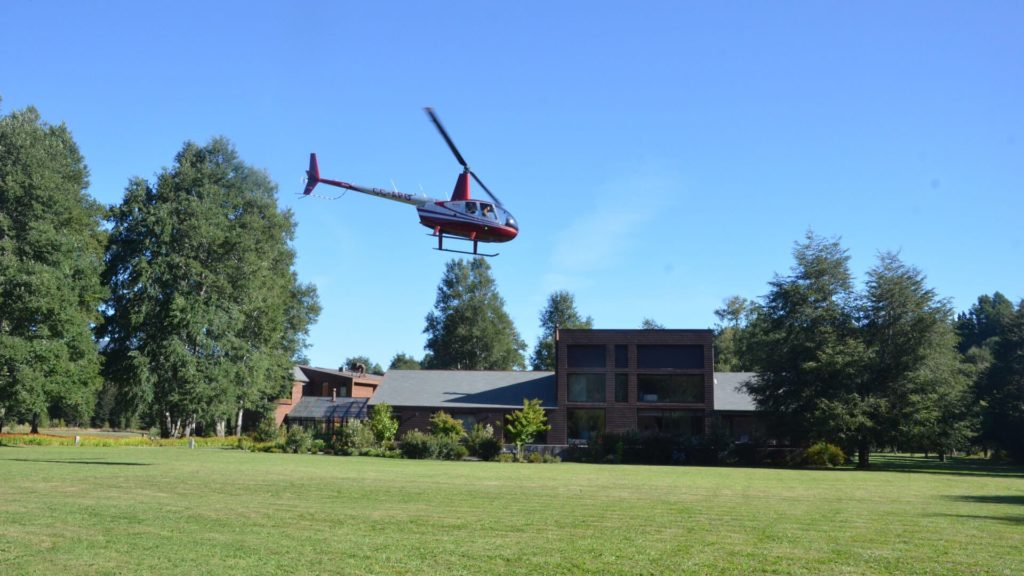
(171, 510)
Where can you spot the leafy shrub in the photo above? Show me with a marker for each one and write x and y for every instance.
(447, 448)
(416, 445)
(383, 424)
(297, 440)
(444, 424)
(356, 438)
(383, 453)
(266, 431)
(824, 454)
(505, 457)
(481, 442)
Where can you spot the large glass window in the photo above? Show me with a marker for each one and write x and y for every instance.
(675, 422)
(622, 387)
(585, 356)
(586, 387)
(621, 356)
(678, 357)
(468, 420)
(681, 388)
(585, 425)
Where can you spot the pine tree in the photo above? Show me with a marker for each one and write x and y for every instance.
(806, 344)
(913, 369)
(469, 328)
(1003, 389)
(560, 312)
(51, 249)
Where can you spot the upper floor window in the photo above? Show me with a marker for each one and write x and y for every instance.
(585, 356)
(672, 388)
(654, 357)
(586, 387)
(621, 356)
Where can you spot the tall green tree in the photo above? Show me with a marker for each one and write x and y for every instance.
(206, 314)
(468, 329)
(733, 317)
(560, 312)
(354, 362)
(806, 344)
(51, 254)
(523, 426)
(1002, 389)
(980, 327)
(914, 377)
(402, 361)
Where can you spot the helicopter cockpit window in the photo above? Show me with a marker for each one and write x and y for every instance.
(488, 211)
(511, 223)
(470, 207)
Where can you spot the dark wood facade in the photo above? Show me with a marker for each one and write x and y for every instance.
(651, 379)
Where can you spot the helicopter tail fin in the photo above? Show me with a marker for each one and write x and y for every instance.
(312, 175)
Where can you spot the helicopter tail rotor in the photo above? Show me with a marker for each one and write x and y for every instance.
(312, 175)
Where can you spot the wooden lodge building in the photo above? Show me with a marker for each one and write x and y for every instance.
(605, 380)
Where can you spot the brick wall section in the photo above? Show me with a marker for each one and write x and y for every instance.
(622, 416)
(284, 405)
(361, 390)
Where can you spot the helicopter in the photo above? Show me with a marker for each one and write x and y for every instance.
(462, 217)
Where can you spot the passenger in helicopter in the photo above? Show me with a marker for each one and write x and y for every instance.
(470, 208)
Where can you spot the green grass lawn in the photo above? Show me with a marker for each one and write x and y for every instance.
(207, 511)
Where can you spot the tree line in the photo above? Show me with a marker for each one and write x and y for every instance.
(179, 307)
(886, 366)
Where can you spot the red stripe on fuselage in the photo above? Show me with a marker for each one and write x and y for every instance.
(466, 229)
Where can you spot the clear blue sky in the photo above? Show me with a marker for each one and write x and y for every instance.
(660, 156)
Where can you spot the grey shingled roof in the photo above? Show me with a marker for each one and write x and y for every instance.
(465, 388)
(728, 396)
(324, 408)
(298, 375)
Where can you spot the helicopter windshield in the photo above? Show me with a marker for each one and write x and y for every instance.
(511, 222)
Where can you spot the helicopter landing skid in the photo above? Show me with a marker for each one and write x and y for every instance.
(441, 248)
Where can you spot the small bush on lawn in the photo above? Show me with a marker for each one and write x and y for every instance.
(481, 442)
(538, 458)
(824, 454)
(298, 440)
(356, 438)
(266, 431)
(506, 457)
(419, 446)
(416, 445)
(444, 424)
(448, 448)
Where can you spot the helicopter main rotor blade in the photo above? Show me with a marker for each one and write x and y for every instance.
(486, 189)
(458, 156)
(440, 128)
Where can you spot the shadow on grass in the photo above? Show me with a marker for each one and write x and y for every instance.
(1015, 499)
(1016, 520)
(1009, 499)
(93, 462)
(954, 466)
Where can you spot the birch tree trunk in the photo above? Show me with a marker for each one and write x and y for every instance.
(238, 424)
